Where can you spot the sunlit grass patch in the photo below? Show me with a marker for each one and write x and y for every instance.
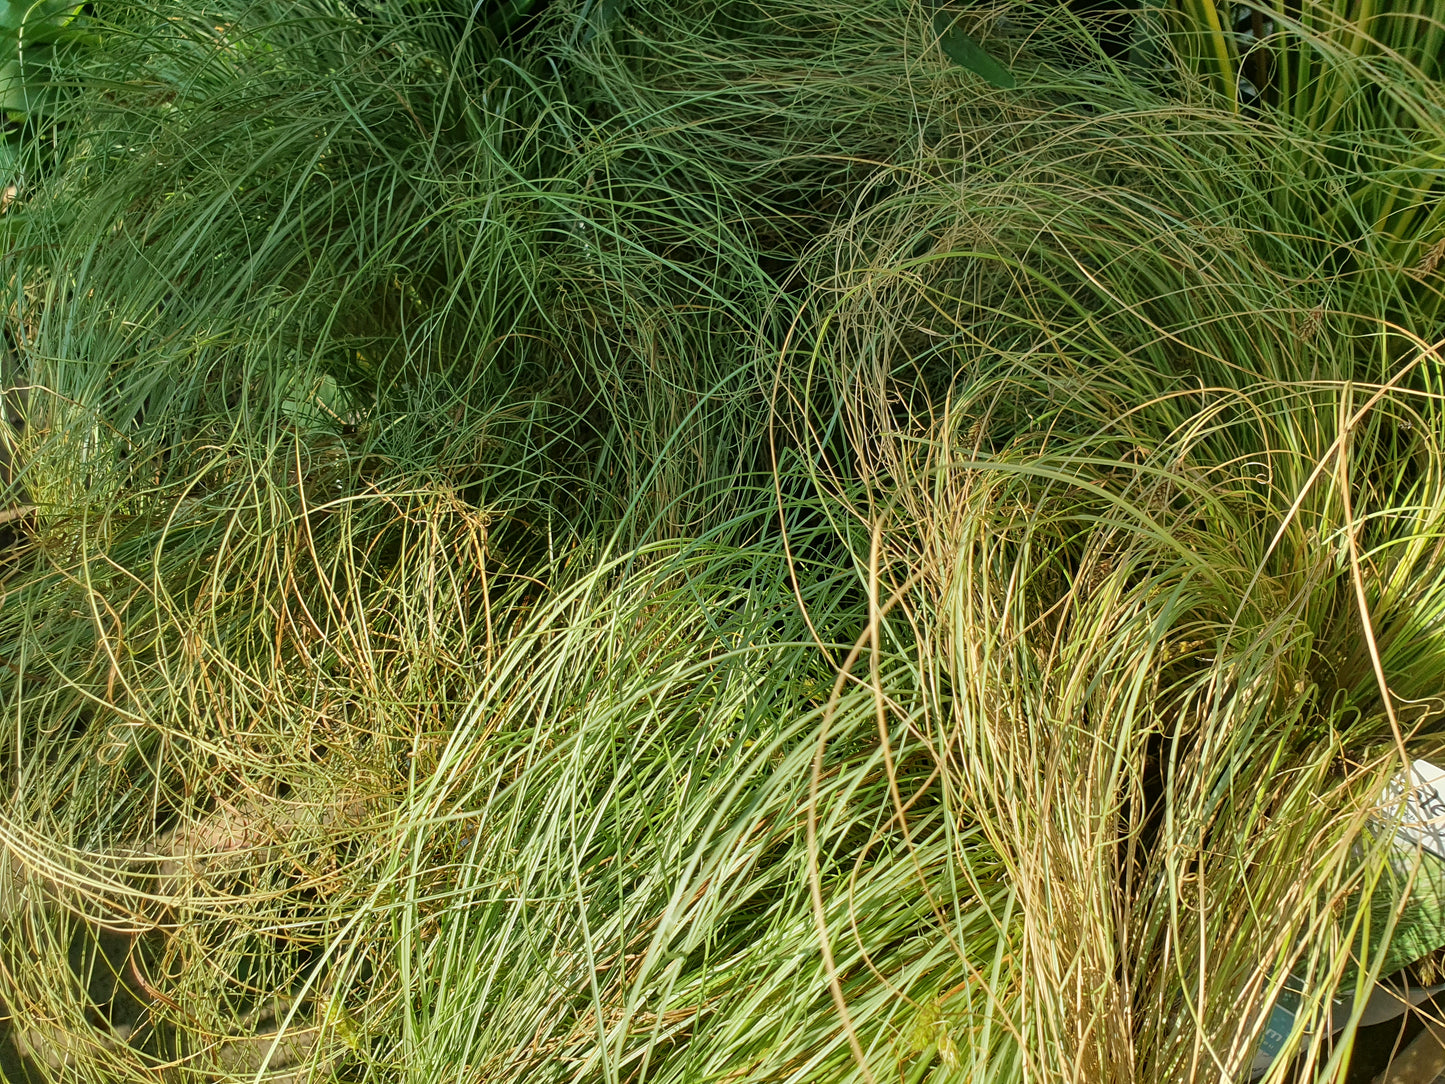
(718, 546)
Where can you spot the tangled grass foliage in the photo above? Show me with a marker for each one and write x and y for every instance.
(1155, 503)
(713, 548)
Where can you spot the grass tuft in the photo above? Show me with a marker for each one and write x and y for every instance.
(695, 542)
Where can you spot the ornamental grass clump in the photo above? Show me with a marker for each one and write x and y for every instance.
(332, 424)
(1156, 502)
(689, 542)
(624, 888)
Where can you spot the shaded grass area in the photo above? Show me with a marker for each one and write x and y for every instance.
(713, 547)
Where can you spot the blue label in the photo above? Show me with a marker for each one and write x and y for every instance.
(1276, 1030)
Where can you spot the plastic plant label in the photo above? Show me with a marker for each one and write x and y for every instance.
(1422, 820)
(1276, 1029)
(1383, 1004)
(1413, 806)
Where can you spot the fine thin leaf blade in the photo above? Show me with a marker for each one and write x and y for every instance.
(967, 53)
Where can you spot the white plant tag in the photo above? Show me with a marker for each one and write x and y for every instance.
(1413, 804)
(1421, 816)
